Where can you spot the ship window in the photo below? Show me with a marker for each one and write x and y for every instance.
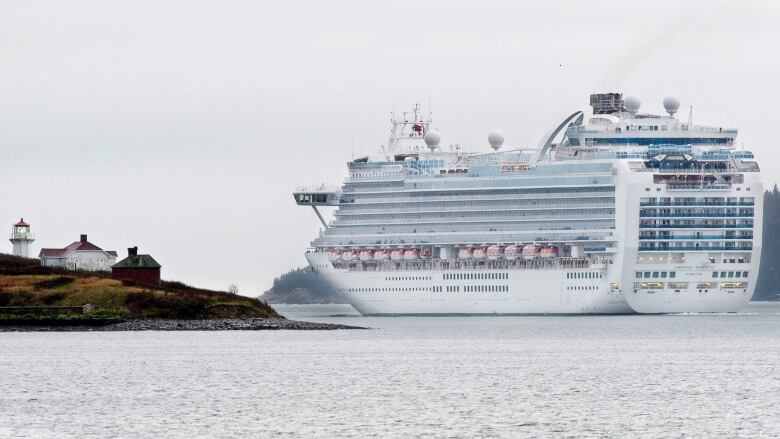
(722, 274)
(663, 274)
(647, 275)
(655, 274)
(731, 274)
(672, 274)
(738, 274)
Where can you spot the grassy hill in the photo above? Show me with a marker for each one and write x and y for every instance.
(24, 282)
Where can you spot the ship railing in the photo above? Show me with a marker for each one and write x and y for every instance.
(696, 203)
(608, 194)
(696, 226)
(460, 264)
(693, 248)
(697, 187)
(695, 214)
(318, 188)
(694, 237)
(30, 236)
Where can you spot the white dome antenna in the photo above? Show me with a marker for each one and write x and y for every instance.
(671, 104)
(632, 104)
(496, 139)
(432, 139)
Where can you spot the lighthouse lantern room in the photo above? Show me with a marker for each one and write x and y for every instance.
(21, 238)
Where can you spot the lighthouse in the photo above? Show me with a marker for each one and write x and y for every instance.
(21, 238)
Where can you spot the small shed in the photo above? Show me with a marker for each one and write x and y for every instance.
(142, 269)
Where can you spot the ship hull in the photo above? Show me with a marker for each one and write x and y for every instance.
(473, 292)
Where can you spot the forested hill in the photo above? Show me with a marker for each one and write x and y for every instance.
(303, 286)
(768, 287)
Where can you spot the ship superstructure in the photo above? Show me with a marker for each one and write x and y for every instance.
(627, 212)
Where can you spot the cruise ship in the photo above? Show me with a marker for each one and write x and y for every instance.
(615, 211)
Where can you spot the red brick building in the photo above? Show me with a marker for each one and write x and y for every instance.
(142, 269)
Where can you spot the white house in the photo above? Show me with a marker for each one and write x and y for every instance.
(81, 255)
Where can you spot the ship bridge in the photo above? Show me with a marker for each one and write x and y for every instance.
(317, 196)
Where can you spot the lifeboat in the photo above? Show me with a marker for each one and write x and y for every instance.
(480, 253)
(381, 255)
(530, 251)
(426, 253)
(412, 254)
(334, 255)
(465, 253)
(397, 254)
(366, 255)
(549, 252)
(349, 255)
(511, 252)
(494, 252)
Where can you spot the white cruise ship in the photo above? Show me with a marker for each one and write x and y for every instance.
(615, 211)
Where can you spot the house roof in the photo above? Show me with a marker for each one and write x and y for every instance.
(76, 246)
(137, 261)
(21, 223)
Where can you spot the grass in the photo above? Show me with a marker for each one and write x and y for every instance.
(24, 282)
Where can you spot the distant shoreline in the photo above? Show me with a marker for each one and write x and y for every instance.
(257, 324)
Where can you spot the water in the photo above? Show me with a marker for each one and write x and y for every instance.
(621, 376)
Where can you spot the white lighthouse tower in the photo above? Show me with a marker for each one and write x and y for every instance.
(21, 238)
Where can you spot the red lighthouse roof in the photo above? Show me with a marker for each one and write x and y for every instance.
(21, 223)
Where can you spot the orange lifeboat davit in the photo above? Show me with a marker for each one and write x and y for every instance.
(381, 255)
(511, 252)
(549, 252)
(397, 254)
(349, 255)
(530, 251)
(412, 254)
(366, 255)
(480, 253)
(334, 255)
(465, 253)
(494, 252)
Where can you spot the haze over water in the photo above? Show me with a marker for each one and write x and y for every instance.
(619, 376)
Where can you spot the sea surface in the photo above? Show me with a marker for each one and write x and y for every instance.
(588, 376)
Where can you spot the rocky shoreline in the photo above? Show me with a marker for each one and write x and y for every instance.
(184, 325)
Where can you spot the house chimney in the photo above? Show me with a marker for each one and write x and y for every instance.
(83, 238)
(132, 251)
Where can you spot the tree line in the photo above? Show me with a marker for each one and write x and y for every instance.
(768, 286)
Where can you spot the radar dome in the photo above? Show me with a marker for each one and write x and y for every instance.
(632, 103)
(496, 139)
(671, 104)
(432, 139)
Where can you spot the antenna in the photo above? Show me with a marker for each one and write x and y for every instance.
(690, 116)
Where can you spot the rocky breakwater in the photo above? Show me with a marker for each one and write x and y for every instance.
(185, 325)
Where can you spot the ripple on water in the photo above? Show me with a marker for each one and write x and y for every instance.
(707, 376)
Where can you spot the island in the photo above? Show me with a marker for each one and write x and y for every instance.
(40, 298)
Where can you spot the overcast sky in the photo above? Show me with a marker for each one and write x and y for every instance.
(183, 126)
